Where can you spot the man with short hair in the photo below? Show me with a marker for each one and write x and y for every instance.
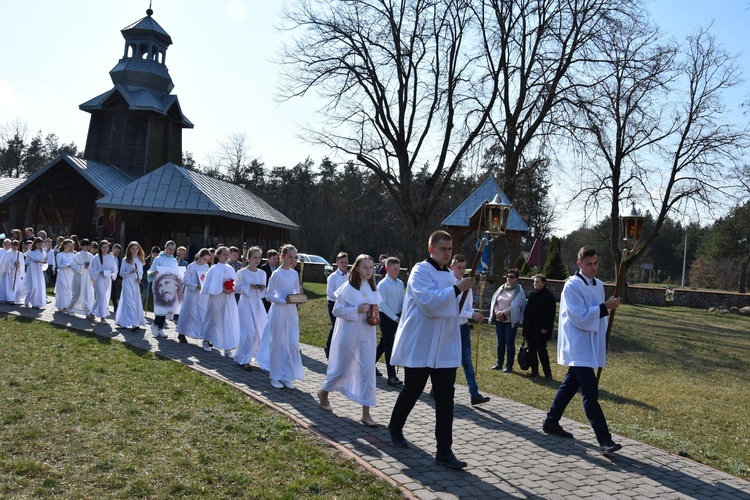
(191, 248)
(391, 290)
(334, 281)
(582, 346)
(272, 262)
(428, 345)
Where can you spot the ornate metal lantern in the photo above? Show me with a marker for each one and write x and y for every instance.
(496, 215)
(631, 226)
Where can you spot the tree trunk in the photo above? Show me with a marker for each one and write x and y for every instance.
(743, 275)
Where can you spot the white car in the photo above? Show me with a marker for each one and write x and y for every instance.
(316, 259)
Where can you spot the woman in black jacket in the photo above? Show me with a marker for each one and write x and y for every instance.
(538, 321)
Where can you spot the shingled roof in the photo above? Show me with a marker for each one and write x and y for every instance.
(105, 178)
(172, 188)
(461, 216)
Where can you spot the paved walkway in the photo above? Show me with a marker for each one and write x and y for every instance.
(508, 455)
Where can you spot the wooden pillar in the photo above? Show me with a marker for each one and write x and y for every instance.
(122, 228)
(12, 216)
(31, 208)
(206, 228)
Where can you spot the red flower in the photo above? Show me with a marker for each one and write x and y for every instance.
(229, 285)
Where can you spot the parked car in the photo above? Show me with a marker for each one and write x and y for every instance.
(315, 259)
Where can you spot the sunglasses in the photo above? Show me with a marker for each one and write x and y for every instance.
(511, 277)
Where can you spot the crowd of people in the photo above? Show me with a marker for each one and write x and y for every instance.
(250, 312)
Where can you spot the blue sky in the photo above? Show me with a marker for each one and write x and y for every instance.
(57, 55)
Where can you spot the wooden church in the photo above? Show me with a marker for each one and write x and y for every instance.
(129, 185)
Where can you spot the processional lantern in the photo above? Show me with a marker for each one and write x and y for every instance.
(493, 221)
(496, 214)
(631, 227)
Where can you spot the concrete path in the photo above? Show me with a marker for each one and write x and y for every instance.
(508, 455)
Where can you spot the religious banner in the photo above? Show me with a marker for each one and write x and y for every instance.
(168, 290)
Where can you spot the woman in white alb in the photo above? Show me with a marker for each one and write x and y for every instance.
(279, 347)
(64, 283)
(194, 304)
(221, 323)
(103, 271)
(351, 363)
(129, 312)
(250, 282)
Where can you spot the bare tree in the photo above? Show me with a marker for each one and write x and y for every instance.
(14, 136)
(408, 87)
(656, 124)
(542, 47)
(233, 158)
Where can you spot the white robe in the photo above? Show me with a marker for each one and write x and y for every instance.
(583, 332)
(279, 347)
(34, 290)
(130, 308)
(82, 295)
(64, 282)
(351, 365)
(103, 271)
(253, 316)
(13, 273)
(3, 272)
(194, 304)
(428, 335)
(221, 323)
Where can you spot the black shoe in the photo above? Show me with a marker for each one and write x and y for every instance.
(450, 461)
(377, 373)
(610, 447)
(394, 382)
(548, 378)
(182, 339)
(397, 438)
(497, 367)
(533, 375)
(555, 429)
(479, 399)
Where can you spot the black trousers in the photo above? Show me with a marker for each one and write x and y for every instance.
(443, 382)
(159, 321)
(387, 336)
(538, 351)
(327, 349)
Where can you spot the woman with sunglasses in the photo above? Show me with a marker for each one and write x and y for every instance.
(506, 312)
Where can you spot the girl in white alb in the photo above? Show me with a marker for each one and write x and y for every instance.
(103, 271)
(279, 347)
(250, 282)
(34, 289)
(351, 362)
(129, 312)
(194, 304)
(3, 268)
(64, 282)
(221, 323)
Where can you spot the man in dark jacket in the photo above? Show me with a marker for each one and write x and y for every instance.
(538, 321)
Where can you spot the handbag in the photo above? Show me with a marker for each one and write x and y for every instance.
(524, 357)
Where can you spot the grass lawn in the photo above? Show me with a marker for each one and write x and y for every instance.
(85, 417)
(677, 378)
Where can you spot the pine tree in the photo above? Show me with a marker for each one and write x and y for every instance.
(554, 268)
